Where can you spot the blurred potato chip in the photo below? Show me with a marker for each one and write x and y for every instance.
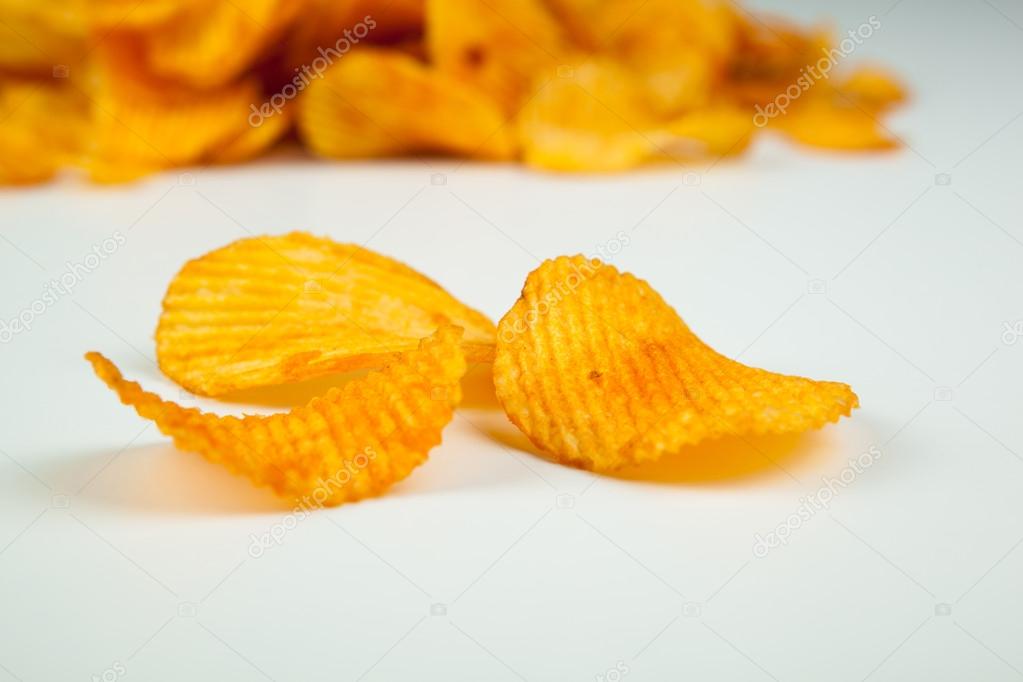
(211, 43)
(600, 117)
(872, 88)
(597, 370)
(679, 47)
(37, 40)
(42, 126)
(329, 29)
(353, 442)
(272, 310)
(140, 125)
(377, 103)
(820, 122)
(499, 46)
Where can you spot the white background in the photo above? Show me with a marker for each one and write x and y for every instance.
(119, 553)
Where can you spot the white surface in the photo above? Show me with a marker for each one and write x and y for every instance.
(119, 554)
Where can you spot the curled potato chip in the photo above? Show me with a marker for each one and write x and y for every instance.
(353, 442)
(597, 370)
(377, 103)
(271, 310)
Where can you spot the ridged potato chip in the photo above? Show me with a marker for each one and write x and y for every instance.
(598, 371)
(355, 441)
(378, 103)
(272, 310)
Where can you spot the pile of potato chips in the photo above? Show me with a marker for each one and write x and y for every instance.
(120, 88)
(590, 363)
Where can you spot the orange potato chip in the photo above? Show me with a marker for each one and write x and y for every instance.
(597, 370)
(872, 88)
(499, 46)
(140, 125)
(329, 29)
(41, 129)
(820, 122)
(355, 441)
(678, 47)
(602, 118)
(377, 103)
(209, 44)
(272, 310)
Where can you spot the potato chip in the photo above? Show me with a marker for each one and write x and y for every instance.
(211, 43)
(871, 88)
(377, 103)
(499, 46)
(597, 370)
(326, 30)
(601, 118)
(820, 122)
(678, 47)
(35, 40)
(355, 441)
(140, 125)
(271, 310)
(41, 129)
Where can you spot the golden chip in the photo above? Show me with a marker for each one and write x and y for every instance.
(378, 103)
(499, 46)
(140, 125)
(355, 441)
(601, 117)
(597, 370)
(271, 310)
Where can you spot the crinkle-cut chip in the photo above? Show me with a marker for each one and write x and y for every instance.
(597, 370)
(141, 125)
(871, 88)
(353, 442)
(375, 103)
(602, 119)
(271, 310)
(42, 125)
(499, 46)
(211, 43)
(823, 123)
